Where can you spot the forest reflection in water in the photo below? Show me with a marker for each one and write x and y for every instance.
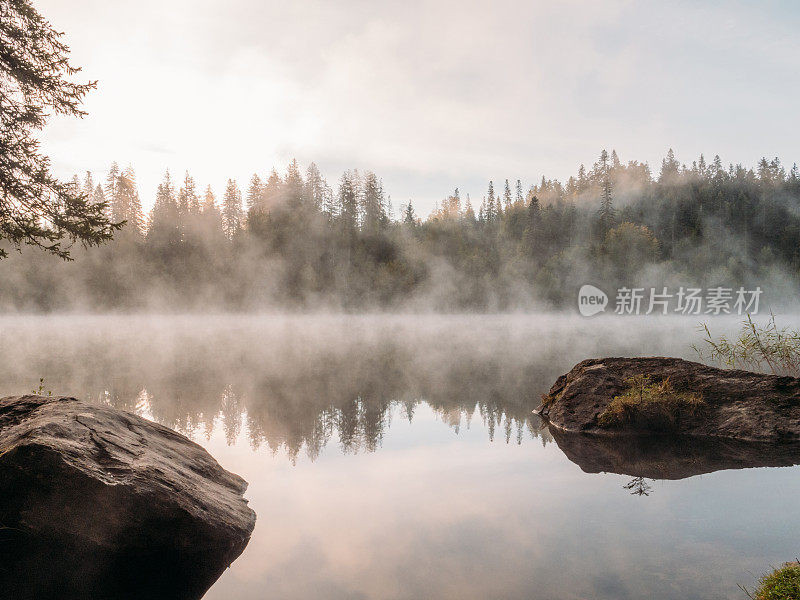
(291, 383)
(294, 383)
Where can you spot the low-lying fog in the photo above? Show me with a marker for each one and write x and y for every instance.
(296, 379)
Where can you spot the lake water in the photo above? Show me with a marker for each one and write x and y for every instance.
(397, 457)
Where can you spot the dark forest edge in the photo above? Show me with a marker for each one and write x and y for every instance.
(293, 241)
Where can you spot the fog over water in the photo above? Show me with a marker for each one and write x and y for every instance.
(187, 372)
(397, 456)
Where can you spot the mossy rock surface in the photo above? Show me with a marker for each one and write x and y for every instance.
(701, 400)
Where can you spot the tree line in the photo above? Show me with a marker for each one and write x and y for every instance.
(292, 240)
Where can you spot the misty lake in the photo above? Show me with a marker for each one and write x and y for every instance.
(397, 457)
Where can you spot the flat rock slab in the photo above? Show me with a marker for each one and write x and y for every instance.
(737, 404)
(100, 503)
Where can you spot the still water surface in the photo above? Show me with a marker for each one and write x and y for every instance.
(397, 457)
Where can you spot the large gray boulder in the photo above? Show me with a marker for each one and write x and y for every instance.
(100, 503)
(735, 404)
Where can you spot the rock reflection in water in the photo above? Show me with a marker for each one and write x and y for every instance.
(668, 457)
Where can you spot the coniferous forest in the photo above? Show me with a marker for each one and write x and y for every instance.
(293, 240)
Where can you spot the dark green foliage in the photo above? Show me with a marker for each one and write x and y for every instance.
(36, 208)
(302, 244)
(780, 584)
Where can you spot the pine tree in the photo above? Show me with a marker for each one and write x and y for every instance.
(670, 167)
(469, 212)
(255, 192)
(348, 204)
(531, 234)
(293, 187)
(490, 214)
(615, 163)
(316, 187)
(232, 210)
(164, 227)
(409, 216)
(188, 201)
(606, 212)
(273, 190)
(507, 196)
(128, 198)
(373, 202)
(520, 198)
(111, 188)
(701, 167)
(716, 170)
(583, 180)
(35, 82)
(211, 218)
(123, 198)
(88, 184)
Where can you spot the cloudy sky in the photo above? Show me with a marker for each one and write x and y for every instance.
(428, 94)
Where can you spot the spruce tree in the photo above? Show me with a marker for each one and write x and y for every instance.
(188, 201)
(670, 168)
(507, 196)
(348, 204)
(531, 234)
(88, 185)
(615, 163)
(316, 187)
(273, 189)
(111, 182)
(210, 217)
(469, 212)
(409, 216)
(606, 212)
(716, 170)
(255, 193)
(128, 198)
(701, 167)
(232, 210)
(36, 81)
(373, 203)
(490, 214)
(293, 187)
(164, 227)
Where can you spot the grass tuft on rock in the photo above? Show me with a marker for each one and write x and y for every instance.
(657, 404)
(780, 584)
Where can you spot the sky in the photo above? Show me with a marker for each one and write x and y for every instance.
(428, 94)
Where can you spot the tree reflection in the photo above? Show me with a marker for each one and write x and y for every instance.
(638, 486)
(296, 387)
